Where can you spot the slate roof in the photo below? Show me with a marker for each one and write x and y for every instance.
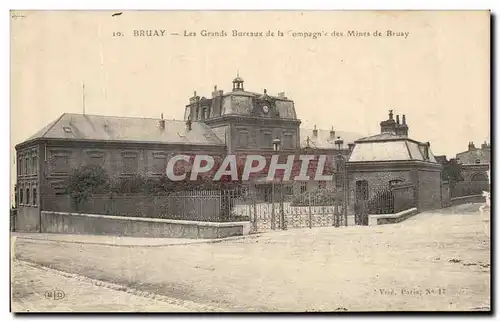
(389, 147)
(324, 141)
(116, 128)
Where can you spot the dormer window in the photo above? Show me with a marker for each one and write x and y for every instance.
(478, 161)
(67, 129)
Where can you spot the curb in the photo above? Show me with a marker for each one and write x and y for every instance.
(194, 242)
(189, 305)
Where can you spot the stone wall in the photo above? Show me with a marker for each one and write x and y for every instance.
(429, 190)
(75, 223)
(27, 219)
(445, 194)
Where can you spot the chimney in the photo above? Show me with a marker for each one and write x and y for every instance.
(332, 133)
(397, 119)
(282, 95)
(162, 122)
(471, 146)
(402, 129)
(351, 146)
(388, 126)
(315, 131)
(188, 124)
(484, 145)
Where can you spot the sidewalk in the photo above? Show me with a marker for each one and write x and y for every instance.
(119, 241)
(31, 286)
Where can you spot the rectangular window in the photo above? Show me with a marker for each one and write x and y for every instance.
(26, 164)
(21, 196)
(35, 197)
(243, 139)
(34, 166)
(130, 164)
(322, 184)
(267, 140)
(303, 187)
(59, 191)
(27, 196)
(288, 141)
(61, 163)
(159, 165)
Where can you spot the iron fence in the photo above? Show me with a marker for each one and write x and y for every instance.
(196, 205)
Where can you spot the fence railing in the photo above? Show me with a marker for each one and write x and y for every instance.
(196, 205)
(391, 200)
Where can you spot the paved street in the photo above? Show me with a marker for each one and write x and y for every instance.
(433, 261)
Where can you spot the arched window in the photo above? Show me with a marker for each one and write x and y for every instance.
(479, 177)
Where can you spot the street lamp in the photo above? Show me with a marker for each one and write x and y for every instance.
(276, 147)
(341, 170)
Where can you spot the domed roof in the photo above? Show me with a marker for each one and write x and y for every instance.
(238, 79)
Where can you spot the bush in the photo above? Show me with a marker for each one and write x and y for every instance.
(85, 181)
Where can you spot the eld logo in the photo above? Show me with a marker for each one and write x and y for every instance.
(55, 295)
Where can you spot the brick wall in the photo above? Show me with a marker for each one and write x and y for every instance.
(117, 161)
(377, 180)
(429, 190)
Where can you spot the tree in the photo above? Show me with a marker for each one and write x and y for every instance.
(85, 181)
(452, 171)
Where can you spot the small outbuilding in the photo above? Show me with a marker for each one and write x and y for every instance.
(389, 159)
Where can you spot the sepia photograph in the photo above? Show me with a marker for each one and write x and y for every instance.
(250, 161)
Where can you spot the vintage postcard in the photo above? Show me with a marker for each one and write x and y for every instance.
(250, 161)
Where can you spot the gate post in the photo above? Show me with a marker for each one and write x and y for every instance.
(282, 208)
(310, 210)
(255, 219)
(273, 215)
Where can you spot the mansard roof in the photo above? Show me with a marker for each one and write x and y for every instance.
(389, 147)
(116, 128)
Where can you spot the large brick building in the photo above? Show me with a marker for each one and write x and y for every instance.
(237, 122)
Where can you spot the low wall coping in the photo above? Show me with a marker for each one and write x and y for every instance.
(394, 216)
(465, 197)
(167, 221)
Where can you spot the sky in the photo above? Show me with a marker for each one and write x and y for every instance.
(438, 76)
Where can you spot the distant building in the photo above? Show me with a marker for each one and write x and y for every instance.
(475, 162)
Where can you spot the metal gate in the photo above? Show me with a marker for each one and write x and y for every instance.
(277, 207)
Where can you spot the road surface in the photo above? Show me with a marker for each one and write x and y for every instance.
(433, 261)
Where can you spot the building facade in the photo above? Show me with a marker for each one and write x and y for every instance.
(391, 158)
(238, 122)
(475, 162)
